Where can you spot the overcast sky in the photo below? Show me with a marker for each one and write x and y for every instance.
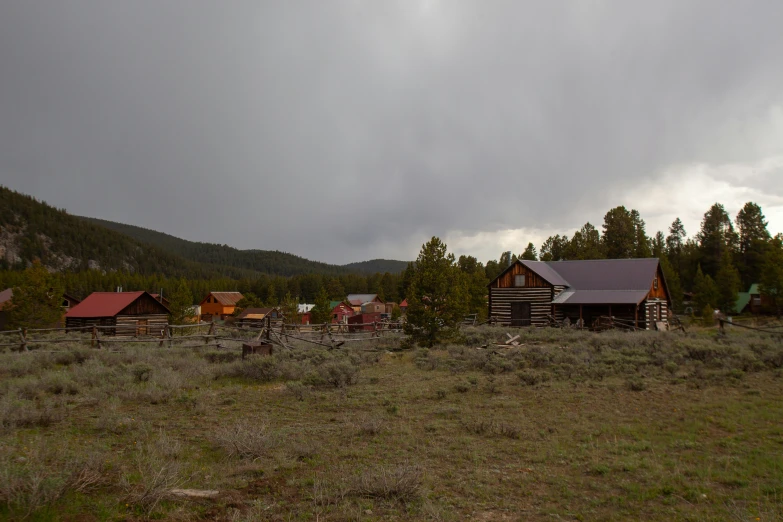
(349, 130)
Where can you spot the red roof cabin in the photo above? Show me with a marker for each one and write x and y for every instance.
(131, 313)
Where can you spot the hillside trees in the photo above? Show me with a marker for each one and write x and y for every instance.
(437, 296)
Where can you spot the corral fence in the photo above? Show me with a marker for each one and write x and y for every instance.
(201, 335)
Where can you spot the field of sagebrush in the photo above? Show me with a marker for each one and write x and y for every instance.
(567, 426)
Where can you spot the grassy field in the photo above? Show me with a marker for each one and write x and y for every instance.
(568, 426)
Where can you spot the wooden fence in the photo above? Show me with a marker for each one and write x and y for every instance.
(202, 335)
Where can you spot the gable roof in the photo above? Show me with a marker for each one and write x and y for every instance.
(743, 299)
(225, 298)
(108, 304)
(255, 313)
(404, 303)
(754, 289)
(360, 299)
(335, 304)
(544, 270)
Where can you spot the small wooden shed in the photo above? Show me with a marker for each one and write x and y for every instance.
(130, 313)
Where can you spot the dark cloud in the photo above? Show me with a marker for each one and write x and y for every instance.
(348, 130)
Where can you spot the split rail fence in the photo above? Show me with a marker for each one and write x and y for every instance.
(202, 335)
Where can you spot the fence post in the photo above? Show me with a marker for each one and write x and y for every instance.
(162, 336)
(94, 337)
(23, 336)
(210, 332)
(168, 334)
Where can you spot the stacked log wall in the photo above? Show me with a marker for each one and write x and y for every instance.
(540, 300)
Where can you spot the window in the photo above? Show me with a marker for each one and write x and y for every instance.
(519, 280)
(655, 283)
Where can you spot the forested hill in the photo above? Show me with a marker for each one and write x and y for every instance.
(380, 266)
(31, 229)
(266, 261)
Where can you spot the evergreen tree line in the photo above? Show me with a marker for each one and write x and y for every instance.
(723, 258)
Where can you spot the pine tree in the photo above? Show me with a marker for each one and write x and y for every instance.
(672, 284)
(37, 300)
(180, 303)
(290, 308)
(716, 235)
(620, 234)
(675, 242)
(437, 297)
(753, 242)
(705, 291)
(728, 282)
(530, 253)
(321, 312)
(641, 243)
(555, 248)
(771, 282)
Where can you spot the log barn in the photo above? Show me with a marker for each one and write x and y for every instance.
(536, 293)
(130, 313)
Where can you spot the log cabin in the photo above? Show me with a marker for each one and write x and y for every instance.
(130, 313)
(219, 305)
(538, 293)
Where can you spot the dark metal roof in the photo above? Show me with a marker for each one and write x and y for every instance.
(606, 274)
(600, 297)
(547, 272)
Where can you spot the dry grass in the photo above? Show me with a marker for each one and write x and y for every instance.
(569, 425)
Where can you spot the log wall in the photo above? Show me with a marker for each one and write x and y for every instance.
(540, 300)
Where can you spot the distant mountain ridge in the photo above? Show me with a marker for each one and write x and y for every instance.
(265, 261)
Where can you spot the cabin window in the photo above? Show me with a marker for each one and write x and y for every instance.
(519, 280)
(655, 283)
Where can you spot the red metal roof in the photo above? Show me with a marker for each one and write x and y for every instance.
(104, 304)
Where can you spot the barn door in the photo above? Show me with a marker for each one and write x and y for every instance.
(520, 314)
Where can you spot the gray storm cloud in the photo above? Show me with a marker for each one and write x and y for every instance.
(348, 130)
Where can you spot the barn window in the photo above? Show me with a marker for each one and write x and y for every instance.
(519, 280)
(655, 283)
